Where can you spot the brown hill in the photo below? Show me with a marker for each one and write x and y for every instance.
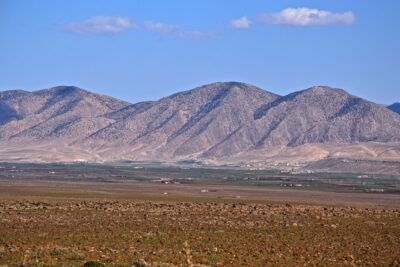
(325, 115)
(63, 111)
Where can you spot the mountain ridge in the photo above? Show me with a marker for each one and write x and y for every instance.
(216, 121)
(395, 107)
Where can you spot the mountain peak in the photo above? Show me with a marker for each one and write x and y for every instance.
(63, 90)
(13, 91)
(4, 95)
(229, 84)
(323, 89)
(66, 88)
(224, 88)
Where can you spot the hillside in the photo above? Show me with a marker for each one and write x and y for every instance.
(188, 123)
(325, 115)
(60, 112)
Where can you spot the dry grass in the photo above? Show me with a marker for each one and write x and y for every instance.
(188, 254)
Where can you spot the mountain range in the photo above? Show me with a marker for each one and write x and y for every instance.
(395, 107)
(218, 122)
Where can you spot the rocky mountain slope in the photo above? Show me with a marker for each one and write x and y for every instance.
(325, 115)
(64, 112)
(216, 118)
(213, 122)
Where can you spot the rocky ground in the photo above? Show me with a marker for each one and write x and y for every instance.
(62, 232)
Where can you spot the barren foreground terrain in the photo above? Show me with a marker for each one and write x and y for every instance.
(52, 223)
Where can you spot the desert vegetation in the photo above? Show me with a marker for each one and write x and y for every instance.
(65, 232)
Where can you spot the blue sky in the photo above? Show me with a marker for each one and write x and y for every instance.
(146, 49)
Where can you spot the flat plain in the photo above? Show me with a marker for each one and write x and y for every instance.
(66, 215)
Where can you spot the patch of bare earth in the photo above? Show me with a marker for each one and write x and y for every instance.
(120, 232)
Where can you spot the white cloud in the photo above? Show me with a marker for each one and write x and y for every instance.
(307, 16)
(101, 25)
(169, 30)
(162, 28)
(197, 34)
(241, 23)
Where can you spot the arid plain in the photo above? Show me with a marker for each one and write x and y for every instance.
(52, 218)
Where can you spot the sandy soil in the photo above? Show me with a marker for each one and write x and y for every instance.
(194, 192)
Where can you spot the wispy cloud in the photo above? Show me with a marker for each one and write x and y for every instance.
(307, 16)
(197, 34)
(162, 28)
(241, 23)
(101, 25)
(173, 30)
